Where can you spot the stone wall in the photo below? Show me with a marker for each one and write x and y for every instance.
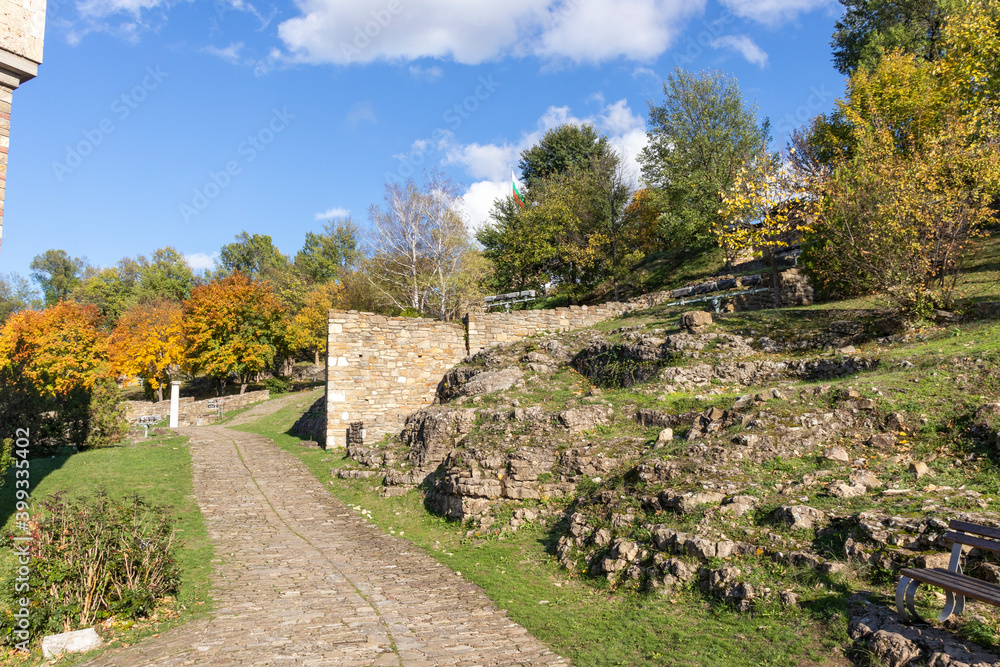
(489, 329)
(380, 369)
(191, 412)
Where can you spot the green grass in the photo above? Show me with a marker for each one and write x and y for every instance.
(159, 470)
(592, 625)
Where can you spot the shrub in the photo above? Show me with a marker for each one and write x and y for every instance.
(277, 385)
(92, 558)
(107, 424)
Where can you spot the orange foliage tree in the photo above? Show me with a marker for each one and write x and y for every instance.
(50, 361)
(58, 349)
(233, 326)
(148, 342)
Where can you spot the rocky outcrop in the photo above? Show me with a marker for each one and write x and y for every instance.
(877, 631)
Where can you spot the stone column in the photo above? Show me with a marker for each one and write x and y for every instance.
(22, 32)
(175, 402)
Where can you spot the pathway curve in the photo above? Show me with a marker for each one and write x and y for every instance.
(272, 405)
(300, 579)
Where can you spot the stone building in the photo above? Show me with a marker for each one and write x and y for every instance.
(22, 31)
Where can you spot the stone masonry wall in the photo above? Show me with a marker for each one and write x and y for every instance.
(488, 329)
(380, 369)
(191, 412)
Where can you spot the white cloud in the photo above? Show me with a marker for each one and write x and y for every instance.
(361, 112)
(773, 12)
(335, 212)
(199, 261)
(491, 163)
(428, 74)
(100, 8)
(362, 31)
(477, 202)
(745, 46)
(230, 54)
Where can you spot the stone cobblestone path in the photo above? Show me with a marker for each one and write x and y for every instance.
(303, 580)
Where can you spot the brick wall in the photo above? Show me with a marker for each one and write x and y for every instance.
(380, 369)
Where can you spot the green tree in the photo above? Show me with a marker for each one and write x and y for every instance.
(17, 294)
(253, 255)
(166, 275)
(324, 256)
(871, 28)
(57, 274)
(561, 149)
(699, 138)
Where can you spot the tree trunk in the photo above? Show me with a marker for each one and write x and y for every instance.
(775, 283)
(243, 387)
(316, 357)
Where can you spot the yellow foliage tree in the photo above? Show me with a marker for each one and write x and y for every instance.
(233, 326)
(58, 349)
(308, 330)
(148, 342)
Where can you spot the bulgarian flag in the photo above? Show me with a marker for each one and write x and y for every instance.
(517, 192)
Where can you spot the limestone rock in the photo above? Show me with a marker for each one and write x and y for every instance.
(837, 453)
(841, 490)
(891, 649)
(737, 506)
(665, 437)
(919, 468)
(799, 517)
(696, 321)
(78, 641)
(488, 382)
(865, 479)
(577, 420)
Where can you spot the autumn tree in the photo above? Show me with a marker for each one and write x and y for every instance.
(50, 361)
(233, 326)
(308, 330)
(904, 203)
(148, 342)
(57, 349)
(767, 208)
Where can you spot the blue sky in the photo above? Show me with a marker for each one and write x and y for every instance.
(183, 123)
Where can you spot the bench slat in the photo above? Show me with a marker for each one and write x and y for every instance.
(957, 583)
(975, 529)
(981, 543)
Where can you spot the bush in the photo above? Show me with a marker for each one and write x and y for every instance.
(107, 424)
(92, 558)
(277, 385)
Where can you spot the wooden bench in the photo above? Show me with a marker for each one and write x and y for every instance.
(957, 586)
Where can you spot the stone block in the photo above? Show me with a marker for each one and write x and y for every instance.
(78, 641)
